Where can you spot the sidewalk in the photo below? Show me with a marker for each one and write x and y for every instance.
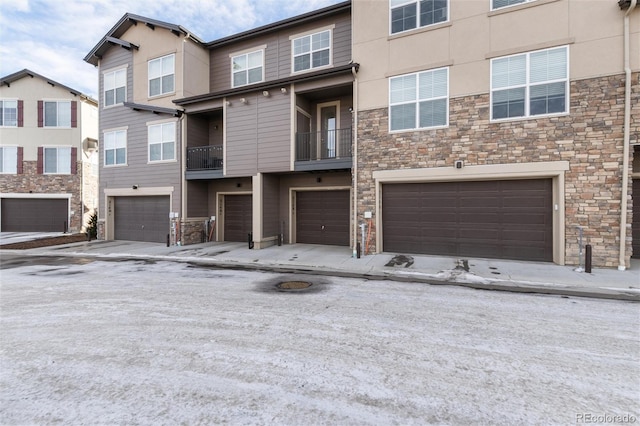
(489, 274)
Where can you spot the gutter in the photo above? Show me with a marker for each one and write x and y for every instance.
(627, 128)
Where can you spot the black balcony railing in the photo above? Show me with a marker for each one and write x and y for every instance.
(326, 145)
(204, 157)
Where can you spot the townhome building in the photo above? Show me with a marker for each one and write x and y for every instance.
(144, 64)
(499, 128)
(246, 138)
(48, 159)
(468, 128)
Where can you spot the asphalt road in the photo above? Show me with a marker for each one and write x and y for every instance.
(126, 342)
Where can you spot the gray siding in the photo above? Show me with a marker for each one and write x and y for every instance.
(242, 136)
(137, 171)
(198, 199)
(270, 206)
(274, 136)
(278, 51)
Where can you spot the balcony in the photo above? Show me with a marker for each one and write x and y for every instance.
(330, 149)
(204, 162)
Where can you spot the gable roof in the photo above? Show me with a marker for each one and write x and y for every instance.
(283, 24)
(127, 21)
(7, 80)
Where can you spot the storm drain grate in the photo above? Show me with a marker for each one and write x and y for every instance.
(293, 285)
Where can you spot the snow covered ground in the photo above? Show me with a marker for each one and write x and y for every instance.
(168, 343)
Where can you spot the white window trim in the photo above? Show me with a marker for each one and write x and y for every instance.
(418, 26)
(2, 112)
(527, 113)
(3, 172)
(292, 38)
(111, 71)
(417, 101)
(508, 6)
(175, 141)
(126, 147)
(247, 53)
(44, 113)
(44, 161)
(175, 80)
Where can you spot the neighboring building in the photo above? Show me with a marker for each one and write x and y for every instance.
(480, 128)
(496, 128)
(48, 143)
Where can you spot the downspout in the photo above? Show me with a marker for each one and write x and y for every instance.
(355, 159)
(627, 127)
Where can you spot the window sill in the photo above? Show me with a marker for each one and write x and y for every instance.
(420, 30)
(517, 7)
(109, 166)
(311, 69)
(160, 96)
(419, 129)
(162, 161)
(528, 118)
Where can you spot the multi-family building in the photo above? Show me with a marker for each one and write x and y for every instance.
(48, 158)
(498, 128)
(487, 128)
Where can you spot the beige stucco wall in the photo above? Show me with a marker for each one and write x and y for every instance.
(161, 42)
(30, 136)
(474, 34)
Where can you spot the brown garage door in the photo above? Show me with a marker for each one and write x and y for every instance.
(34, 215)
(493, 219)
(322, 217)
(635, 226)
(238, 217)
(142, 218)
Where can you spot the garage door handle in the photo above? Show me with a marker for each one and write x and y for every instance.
(142, 227)
(322, 227)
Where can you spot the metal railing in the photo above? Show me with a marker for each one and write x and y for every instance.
(204, 157)
(326, 145)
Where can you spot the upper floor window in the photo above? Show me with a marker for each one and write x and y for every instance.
(419, 100)
(499, 4)
(312, 51)
(162, 142)
(57, 113)
(8, 113)
(411, 14)
(57, 160)
(115, 148)
(115, 84)
(530, 84)
(9, 159)
(161, 75)
(247, 68)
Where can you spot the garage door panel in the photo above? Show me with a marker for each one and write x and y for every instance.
(322, 217)
(142, 218)
(34, 214)
(238, 217)
(501, 219)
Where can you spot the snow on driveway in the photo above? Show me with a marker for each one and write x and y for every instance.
(168, 343)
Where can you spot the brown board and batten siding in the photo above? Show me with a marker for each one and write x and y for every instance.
(274, 137)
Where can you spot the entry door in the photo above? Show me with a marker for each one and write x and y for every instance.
(329, 124)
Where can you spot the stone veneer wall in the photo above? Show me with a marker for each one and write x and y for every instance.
(590, 138)
(32, 182)
(192, 231)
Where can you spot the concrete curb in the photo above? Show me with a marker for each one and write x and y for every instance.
(372, 274)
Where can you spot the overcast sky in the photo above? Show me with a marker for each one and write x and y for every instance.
(51, 37)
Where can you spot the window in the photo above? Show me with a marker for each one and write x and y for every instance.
(115, 87)
(115, 148)
(162, 142)
(57, 160)
(312, 51)
(419, 101)
(9, 159)
(161, 75)
(57, 114)
(411, 14)
(247, 68)
(499, 4)
(530, 84)
(8, 113)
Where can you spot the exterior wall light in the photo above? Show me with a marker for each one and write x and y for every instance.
(265, 93)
